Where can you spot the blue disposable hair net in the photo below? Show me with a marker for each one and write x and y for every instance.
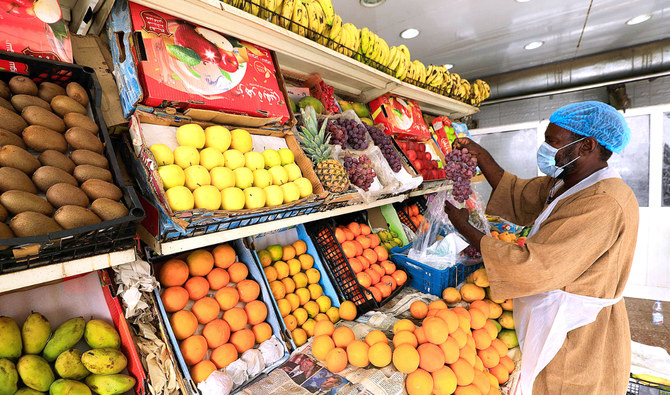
(594, 119)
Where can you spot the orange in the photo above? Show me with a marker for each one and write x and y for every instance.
(382, 254)
(403, 325)
(224, 256)
(291, 322)
(374, 240)
(193, 349)
(405, 337)
(384, 289)
(364, 240)
(336, 360)
(376, 293)
(467, 390)
(183, 324)
(482, 338)
(477, 319)
(450, 350)
(324, 327)
(243, 340)
(349, 249)
(256, 311)
(289, 285)
(468, 354)
(460, 336)
(406, 358)
(436, 330)
(444, 381)
(262, 332)
(380, 354)
(364, 261)
(238, 271)
(339, 235)
(481, 381)
(437, 304)
(357, 353)
(348, 310)
(355, 228)
(451, 295)
(508, 363)
(400, 277)
(227, 297)
(356, 265)
(500, 347)
(173, 273)
(371, 256)
(489, 357)
(299, 336)
(450, 318)
(464, 372)
(374, 275)
(288, 253)
(306, 261)
(224, 355)
(491, 329)
(419, 382)
(206, 309)
(389, 267)
(300, 247)
(380, 270)
(322, 317)
(201, 370)
(278, 289)
(376, 336)
(364, 279)
(480, 305)
(174, 298)
(216, 332)
(200, 262)
(420, 335)
(270, 273)
(431, 357)
(365, 230)
(197, 287)
(359, 247)
(321, 345)
(248, 290)
(342, 336)
(500, 372)
(218, 278)
(236, 318)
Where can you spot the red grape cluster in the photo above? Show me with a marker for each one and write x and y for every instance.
(325, 96)
(471, 252)
(338, 134)
(356, 133)
(361, 173)
(460, 168)
(383, 141)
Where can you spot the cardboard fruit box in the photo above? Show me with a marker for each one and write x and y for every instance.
(428, 168)
(402, 117)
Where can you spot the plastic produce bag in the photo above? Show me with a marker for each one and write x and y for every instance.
(271, 350)
(384, 181)
(237, 371)
(217, 383)
(254, 360)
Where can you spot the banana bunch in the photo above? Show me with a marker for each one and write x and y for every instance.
(268, 7)
(250, 6)
(317, 18)
(438, 78)
(348, 38)
(334, 33)
(416, 72)
(398, 61)
(287, 15)
(479, 92)
(373, 48)
(300, 18)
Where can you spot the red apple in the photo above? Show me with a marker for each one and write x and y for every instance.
(421, 147)
(435, 174)
(402, 145)
(411, 145)
(434, 162)
(186, 36)
(411, 155)
(229, 63)
(417, 164)
(427, 156)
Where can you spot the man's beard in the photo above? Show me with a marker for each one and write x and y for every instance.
(569, 168)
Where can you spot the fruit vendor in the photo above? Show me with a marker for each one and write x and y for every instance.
(568, 279)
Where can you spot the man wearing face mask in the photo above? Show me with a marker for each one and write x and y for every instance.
(568, 279)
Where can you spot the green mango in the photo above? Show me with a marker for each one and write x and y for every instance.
(104, 361)
(110, 384)
(9, 377)
(10, 339)
(100, 334)
(28, 391)
(508, 336)
(68, 365)
(64, 338)
(35, 333)
(35, 372)
(68, 387)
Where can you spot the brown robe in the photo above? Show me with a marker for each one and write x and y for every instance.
(584, 247)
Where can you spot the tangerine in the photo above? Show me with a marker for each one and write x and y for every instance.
(382, 254)
(355, 228)
(262, 332)
(270, 273)
(400, 277)
(224, 355)
(248, 290)
(389, 267)
(299, 336)
(370, 255)
(218, 278)
(197, 287)
(201, 370)
(406, 358)
(183, 323)
(173, 273)
(200, 262)
(243, 340)
(174, 298)
(238, 271)
(300, 247)
(193, 349)
(216, 332)
(374, 240)
(256, 311)
(224, 256)
(288, 252)
(356, 265)
(365, 230)
(364, 240)
(206, 309)
(364, 279)
(227, 297)
(376, 293)
(236, 318)
(339, 235)
(348, 310)
(291, 322)
(384, 289)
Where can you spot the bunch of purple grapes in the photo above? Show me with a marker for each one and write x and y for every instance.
(338, 134)
(360, 171)
(356, 133)
(383, 141)
(460, 166)
(472, 252)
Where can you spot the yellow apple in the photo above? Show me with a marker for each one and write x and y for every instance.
(191, 135)
(244, 177)
(211, 158)
(286, 156)
(217, 137)
(254, 197)
(279, 175)
(232, 199)
(254, 160)
(271, 157)
(273, 196)
(241, 140)
(186, 156)
(163, 154)
(197, 176)
(207, 197)
(222, 177)
(293, 171)
(262, 178)
(291, 192)
(305, 186)
(179, 198)
(172, 176)
(233, 159)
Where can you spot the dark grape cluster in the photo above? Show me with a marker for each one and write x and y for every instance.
(356, 133)
(384, 142)
(360, 171)
(460, 168)
(472, 252)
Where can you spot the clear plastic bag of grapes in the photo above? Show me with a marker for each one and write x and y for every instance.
(348, 131)
(368, 172)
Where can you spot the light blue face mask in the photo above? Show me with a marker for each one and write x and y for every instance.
(546, 159)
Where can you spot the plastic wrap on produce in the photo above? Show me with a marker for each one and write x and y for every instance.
(271, 350)
(254, 360)
(217, 383)
(384, 181)
(237, 371)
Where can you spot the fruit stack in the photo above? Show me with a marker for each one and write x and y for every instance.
(294, 283)
(32, 353)
(431, 168)
(53, 171)
(414, 215)
(214, 308)
(216, 169)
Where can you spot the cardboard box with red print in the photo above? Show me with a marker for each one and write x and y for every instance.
(402, 117)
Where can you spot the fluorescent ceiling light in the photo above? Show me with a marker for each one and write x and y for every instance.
(409, 33)
(448, 66)
(522, 1)
(533, 45)
(371, 3)
(638, 19)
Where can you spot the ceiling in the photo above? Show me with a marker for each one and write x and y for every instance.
(487, 37)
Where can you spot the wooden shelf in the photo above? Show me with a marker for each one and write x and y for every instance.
(301, 55)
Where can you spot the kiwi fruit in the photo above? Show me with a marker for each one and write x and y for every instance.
(64, 194)
(80, 138)
(62, 105)
(108, 209)
(56, 159)
(30, 223)
(36, 115)
(41, 139)
(87, 172)
(75, 119)
(3, 214)
(6, 104)
(96, 189)
(5, 233)
(12, 179)
(77, 92)
(4, 90)
(19, 201)
(22, 101)
(20, 85)
(18, 158)
(49, 90)
(12, 121)
(9, 138)
(46, 176)
(86, 157)
(70, 217)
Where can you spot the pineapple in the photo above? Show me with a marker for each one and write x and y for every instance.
(314, 142)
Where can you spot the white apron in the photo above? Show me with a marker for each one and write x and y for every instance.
(542, 321)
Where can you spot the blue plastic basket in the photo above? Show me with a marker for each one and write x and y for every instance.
(426, 278)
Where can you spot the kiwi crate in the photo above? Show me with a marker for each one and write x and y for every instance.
(103, 237)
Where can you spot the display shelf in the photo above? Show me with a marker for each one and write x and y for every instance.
(301, 55)
(426, 191)
(57, 271)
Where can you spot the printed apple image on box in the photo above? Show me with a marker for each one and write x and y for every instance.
(402, 117)
(35, 28)
(188, 66)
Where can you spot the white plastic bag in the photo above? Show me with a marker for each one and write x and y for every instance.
(217, 383)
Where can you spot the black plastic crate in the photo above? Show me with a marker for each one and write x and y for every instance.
(104, 237)
(420, 201)
(643, 387)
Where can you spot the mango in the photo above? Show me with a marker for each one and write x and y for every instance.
(35, 372)
(110, 384)
(35, 333)
(506, 320)
(68, 365)
(28, 391)
(68, 387)
(488, 296)
(10, 339)
(64, 338)
(480, 278)
(508, 336)
(9, 377)
(507, 305)
(104, 361)
(100, 334)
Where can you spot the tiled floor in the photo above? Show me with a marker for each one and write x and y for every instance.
(641, 328)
